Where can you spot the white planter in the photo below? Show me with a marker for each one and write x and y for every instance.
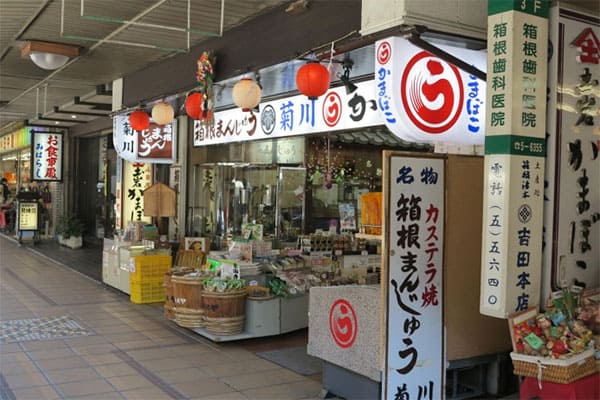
(74, 242)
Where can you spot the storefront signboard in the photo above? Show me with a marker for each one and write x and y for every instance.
(572, 195)
(514, 156)
(47, 156)
(15, 140)
(28, 216)
(294, 116)
(423, 98)
(137, 177)
(157, 144)
(414, 237)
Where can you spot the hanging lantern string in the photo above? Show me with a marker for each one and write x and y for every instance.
(314, 49)
(331, 53)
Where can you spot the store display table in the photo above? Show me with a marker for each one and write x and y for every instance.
(582, 389)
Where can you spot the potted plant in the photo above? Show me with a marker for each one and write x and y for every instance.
(69, 230)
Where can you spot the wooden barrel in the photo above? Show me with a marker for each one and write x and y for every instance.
(224, 312)
(187, 296)
(169, 300)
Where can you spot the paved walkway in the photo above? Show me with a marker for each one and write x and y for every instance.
(65, 336)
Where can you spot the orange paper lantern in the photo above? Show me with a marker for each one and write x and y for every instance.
(312, 80)
(163, 113)
(139, 120)
(246, 94)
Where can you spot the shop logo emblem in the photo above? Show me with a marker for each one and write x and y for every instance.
(332, 109)
(384, 53)
(343, 324)
(524, 213)
(432, 93)
(267, 119)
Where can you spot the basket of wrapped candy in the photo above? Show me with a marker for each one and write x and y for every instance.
(558, 344)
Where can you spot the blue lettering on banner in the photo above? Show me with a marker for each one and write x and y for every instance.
(383, 98)
(473, 105)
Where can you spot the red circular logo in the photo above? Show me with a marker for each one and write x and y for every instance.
(432, 93)
(343, 324)
(332, 109)
(384, 52)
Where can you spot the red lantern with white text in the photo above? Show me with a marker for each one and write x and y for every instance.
(312, 80)
(139, 120)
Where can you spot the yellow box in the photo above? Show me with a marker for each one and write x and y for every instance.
(147, 292)
(150, 268)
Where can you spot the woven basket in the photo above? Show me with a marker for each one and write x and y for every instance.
(555, 370)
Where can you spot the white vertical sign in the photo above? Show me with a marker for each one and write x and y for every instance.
(414, 363)
(514, 162)
(572, 206)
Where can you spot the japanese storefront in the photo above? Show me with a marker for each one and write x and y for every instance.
(15, 151)
(32, 160)
(304, 171)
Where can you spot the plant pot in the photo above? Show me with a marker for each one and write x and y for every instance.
(73, 242)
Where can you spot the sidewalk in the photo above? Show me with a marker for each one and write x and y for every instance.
(66, 336)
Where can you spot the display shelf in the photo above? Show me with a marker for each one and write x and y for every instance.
(224, 338)
(367, 236)
(268, 317)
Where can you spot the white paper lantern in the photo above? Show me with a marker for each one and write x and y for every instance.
(246, 94)
(163, 113)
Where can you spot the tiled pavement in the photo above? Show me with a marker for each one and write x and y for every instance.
(83, 340)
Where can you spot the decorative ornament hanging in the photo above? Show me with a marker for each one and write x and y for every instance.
(163, 113)
(312, 79)
(199, 103)
(139, 120)
(246, 94)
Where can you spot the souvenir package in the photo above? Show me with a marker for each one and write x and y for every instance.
(557, 345)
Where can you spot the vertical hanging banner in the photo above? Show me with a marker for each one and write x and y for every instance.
(137, 177)
(514, 156)
(46, 156)
(414, 239)
(572, 198)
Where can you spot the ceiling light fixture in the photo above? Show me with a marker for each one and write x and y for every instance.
(47, 55)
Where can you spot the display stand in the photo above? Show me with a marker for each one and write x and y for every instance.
(28, 213)
(584, 388)
(268, 318)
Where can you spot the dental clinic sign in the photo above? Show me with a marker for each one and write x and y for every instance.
(423, 98)
(514, 156)
(294, 116)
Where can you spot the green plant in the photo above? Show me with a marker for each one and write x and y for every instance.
(69, 226)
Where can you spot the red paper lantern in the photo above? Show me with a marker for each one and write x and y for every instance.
(312, 80)
(139, 120)
(193, 105)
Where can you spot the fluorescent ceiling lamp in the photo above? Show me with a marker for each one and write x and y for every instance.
(49, 56)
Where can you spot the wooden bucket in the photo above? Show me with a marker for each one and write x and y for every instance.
(169, 307)
(187, 296)
(224, 312)
(170, 300)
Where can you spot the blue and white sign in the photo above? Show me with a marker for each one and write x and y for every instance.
(423, 98)
(294, 116)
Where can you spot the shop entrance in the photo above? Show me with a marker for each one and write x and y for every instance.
(96, 174)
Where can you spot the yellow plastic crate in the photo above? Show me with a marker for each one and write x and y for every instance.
(150, 268)
(147, 292)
